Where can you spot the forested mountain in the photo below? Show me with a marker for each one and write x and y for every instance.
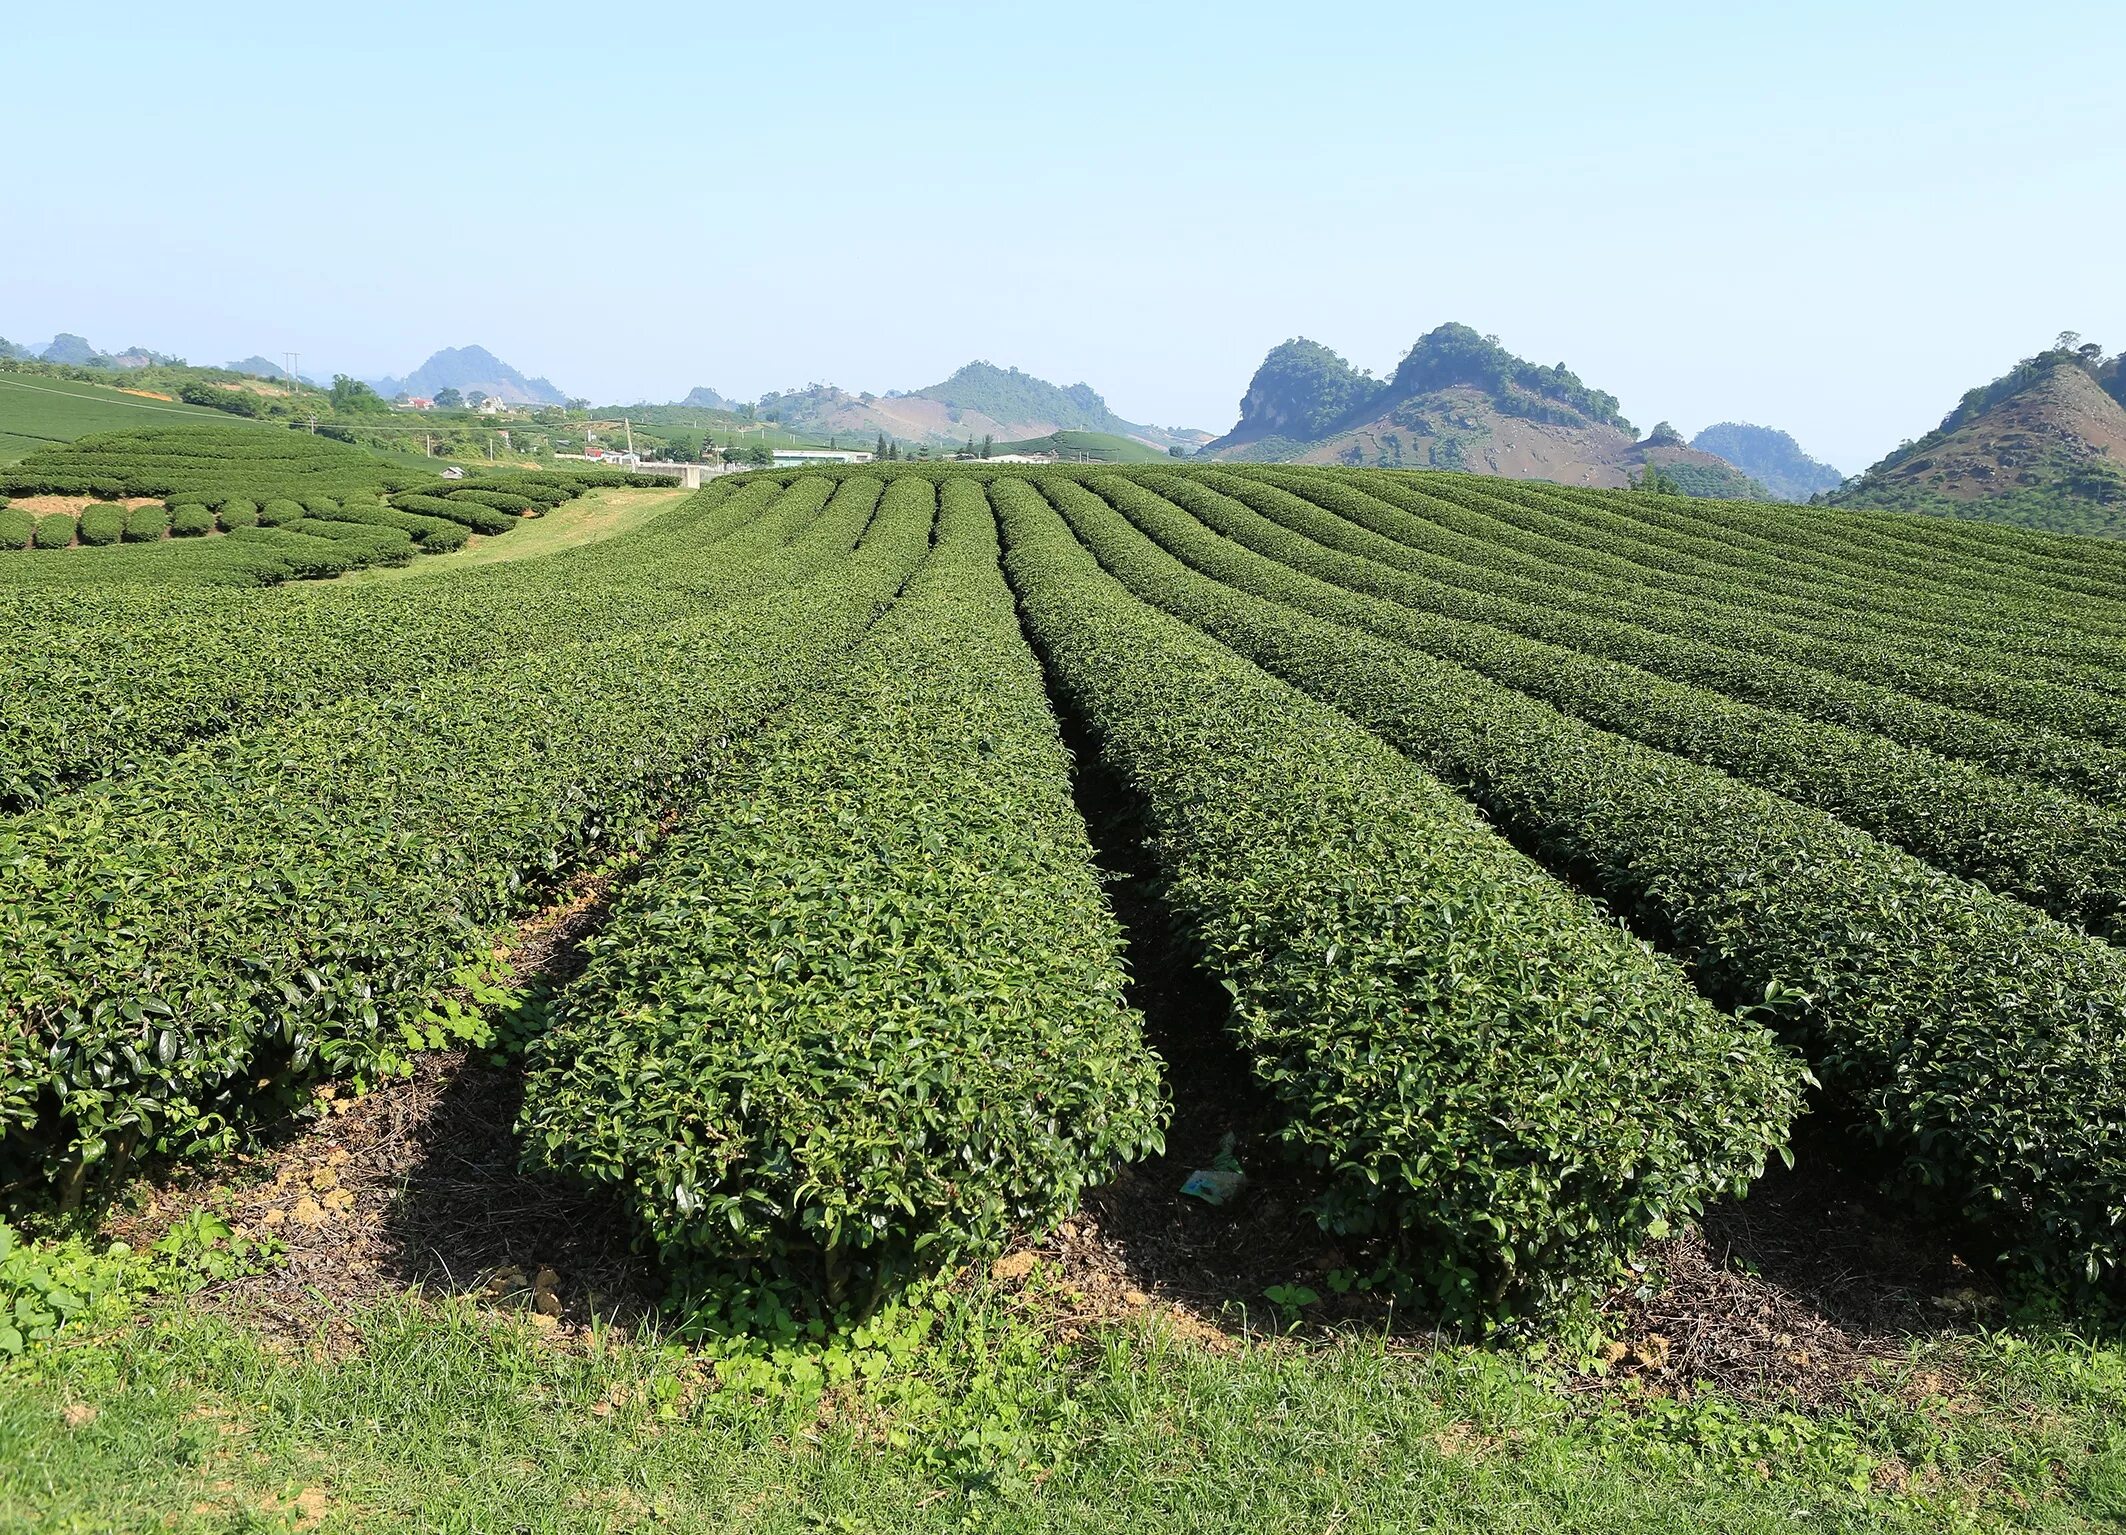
(1459, 400)
(73, 351)
(470, 368)
(1770, 457)
(1299, 394)
(2042, 446)
(701, 397)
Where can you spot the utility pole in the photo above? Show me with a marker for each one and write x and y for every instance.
(628, 427)
(294, 358)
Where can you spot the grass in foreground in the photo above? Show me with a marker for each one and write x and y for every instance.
(969, 1409)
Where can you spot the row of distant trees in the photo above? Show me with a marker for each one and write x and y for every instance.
(887, 450)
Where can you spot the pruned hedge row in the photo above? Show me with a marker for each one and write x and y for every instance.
(191, 522)
(433, 534)
(102, 525)
(292, 898)
(1801, 557)
(865, 1013)
(267, 470)
(1882, 607)
(259, 462)
(378, 545)
(1945, 671)
(548, 491)
(249, 557)
(1508, 537)
(1342, 515)
(55, 530)
(18, 530)
(480, 519)
(1982, 1043)
(146, 524)
(2059, 853)
(500, 500)
(1489, 1073)
(135, 672)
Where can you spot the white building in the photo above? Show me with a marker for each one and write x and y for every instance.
(790, 456)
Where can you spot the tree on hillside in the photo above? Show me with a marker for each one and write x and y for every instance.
(760, 456)
(237, 402)
(352, 397)
(989, 443)
(448, 398)
(879, 451)
(477, 398)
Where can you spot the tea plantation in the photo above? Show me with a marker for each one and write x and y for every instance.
(1552, 856)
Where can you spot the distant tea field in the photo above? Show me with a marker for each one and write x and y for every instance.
(36, 412)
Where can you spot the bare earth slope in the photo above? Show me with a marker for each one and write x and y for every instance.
(2044, 446)
(2059, 423)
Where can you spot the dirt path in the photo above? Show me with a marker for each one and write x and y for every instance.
(590, 517)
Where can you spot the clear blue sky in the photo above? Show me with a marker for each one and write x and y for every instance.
(1828, 217)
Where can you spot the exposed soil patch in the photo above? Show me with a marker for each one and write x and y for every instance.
(1793, 1296)
(1794, 1293)
(42, 506)
(418, 1185)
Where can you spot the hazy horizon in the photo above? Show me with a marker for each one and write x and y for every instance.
(1828, 219)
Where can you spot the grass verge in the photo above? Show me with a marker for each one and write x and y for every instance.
(970, 1408)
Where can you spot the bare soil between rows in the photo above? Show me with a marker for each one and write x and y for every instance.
(1793, 1295)
(417, 1188)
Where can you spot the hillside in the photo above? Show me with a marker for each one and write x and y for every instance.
(470, 368)
(38, 411)
(1770, 457)
(1089, 448)
(2042, 446)
(1458, 400)
(979, 400)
